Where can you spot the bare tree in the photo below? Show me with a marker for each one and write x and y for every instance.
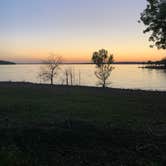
(103, 63)
(69, 76)
(50, 69)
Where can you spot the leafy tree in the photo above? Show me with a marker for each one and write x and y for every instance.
(154, 18)
(103, 63)
(50, 69)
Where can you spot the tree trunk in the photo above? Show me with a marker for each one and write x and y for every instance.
(51, 80)
(67, 78)
(103, 83)
(71, 78)
(52, 77)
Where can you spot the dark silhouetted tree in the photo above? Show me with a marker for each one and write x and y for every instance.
(50, 69)
(103, 63)
(154, 18)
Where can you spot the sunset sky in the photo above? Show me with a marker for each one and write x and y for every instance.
(32, 29)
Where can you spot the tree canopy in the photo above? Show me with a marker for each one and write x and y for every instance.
(154, 18)
(103, 62)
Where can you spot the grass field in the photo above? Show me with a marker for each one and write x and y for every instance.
(60, 125)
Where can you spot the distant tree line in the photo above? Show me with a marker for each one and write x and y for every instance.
(156, 64)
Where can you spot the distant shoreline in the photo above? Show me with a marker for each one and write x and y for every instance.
(119, 63)
(105, 90)
(154, 67)
(6, 63)
(3, 62)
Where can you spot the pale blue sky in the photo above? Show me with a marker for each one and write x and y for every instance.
(30, 29)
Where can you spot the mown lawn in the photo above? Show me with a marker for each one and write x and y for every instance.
(59, 125)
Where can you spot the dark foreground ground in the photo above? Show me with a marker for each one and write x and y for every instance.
(42, 125)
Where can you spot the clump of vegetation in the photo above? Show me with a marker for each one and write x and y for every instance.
(103, 63)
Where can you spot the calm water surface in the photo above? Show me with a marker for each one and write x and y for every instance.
(123, 76)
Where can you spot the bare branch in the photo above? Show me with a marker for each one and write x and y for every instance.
(50, 68)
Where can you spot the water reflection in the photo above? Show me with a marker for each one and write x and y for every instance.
(159, 73)
(123, 76)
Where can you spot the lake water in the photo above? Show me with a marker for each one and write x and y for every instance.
(123, 76)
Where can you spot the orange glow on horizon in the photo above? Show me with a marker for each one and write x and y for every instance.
(86, 58)
(80, 55)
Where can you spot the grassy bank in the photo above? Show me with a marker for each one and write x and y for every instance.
(59, 125)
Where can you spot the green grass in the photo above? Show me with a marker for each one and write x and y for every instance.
(32, 105)
(81, 126)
